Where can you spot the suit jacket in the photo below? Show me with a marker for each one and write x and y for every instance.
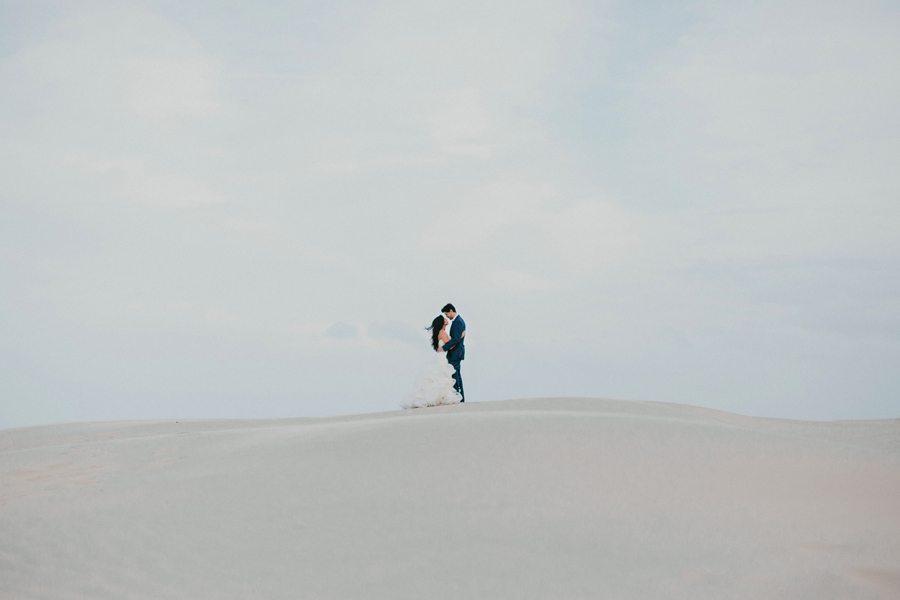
(456, 347)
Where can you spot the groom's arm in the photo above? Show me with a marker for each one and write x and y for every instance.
(453, 341)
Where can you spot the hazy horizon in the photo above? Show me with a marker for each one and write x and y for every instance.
(255, 209)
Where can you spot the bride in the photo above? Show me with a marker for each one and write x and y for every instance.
(435, 385)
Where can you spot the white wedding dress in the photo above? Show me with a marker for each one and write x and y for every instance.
(434, 386)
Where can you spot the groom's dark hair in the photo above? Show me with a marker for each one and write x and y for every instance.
(448, 307)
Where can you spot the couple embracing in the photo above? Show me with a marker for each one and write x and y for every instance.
(441, 382)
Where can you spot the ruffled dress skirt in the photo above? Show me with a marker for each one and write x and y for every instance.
(434, 386)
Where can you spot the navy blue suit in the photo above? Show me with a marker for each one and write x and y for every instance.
(456, 351)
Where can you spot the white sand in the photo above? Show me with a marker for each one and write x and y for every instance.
(547, 498)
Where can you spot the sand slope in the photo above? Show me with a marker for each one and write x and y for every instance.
(545, 498)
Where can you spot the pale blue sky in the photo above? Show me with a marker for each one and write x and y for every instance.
(253, 209)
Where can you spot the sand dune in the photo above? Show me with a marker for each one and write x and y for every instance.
(545, 498)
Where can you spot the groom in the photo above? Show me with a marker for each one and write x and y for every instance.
(456, 347)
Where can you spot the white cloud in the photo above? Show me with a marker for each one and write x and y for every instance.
(771, 133)
(590, 232)
(220, 315)
(397, 330)
(144, 188)
(342, 331)
(462, 125)
(787, 105)
(171, 88)
(116, 61)
(199, 312)
(243, 225)
(519, 282)
(586, 234)
(337, 168)
(476, 218)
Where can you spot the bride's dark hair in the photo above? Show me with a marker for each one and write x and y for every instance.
(435, 328)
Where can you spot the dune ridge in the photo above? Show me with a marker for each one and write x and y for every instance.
(536, 498)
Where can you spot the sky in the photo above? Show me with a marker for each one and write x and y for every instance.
(253, 209)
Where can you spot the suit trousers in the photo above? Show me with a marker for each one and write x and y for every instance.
(458, 386)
